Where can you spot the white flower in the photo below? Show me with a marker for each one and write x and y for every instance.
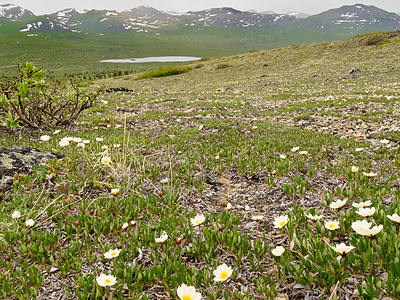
(112, 253)
(45, 138)
(99, 139)
(125, 226)
(86, 142)
(197, 220)
(116, 145)
(80, 145)
(118, 126)
(257, 218)
(342, 248)
(115, 192)
(57, 131)
(384, 141)
(361, 226)
(366, 212)
(68, 138)
(222, 273)
(375, 230)
(280, 221)
(295, 149)
(77, 140)
(228, 206)
(188, 293)
(282, 156)
(359, 149)
(354, 169)
(362, 204)
(105, 160)
(106, 280)
(338, 204)
(364, 228)
(394, 218)
(63, 143)
(162, 238)
(278, 251)
(303, 153)
(314, 218)
(16, 215)
(105, 148)
(332, 225)
(29, 223)
(370, 174)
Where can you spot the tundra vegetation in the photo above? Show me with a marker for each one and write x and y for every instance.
(273, 177)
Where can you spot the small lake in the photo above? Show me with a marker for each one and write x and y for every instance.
(152, 59)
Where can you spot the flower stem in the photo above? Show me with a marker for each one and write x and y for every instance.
(200, 241)
(257, 232)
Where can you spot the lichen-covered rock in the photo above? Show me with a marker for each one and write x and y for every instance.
(20, 161)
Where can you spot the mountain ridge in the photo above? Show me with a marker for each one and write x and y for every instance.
(149, 19)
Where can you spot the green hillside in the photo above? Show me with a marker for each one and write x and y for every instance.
(76, 54)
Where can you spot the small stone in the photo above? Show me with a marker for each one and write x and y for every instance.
(251, 224)
(299, 286)
(374, 135)
(247, 208)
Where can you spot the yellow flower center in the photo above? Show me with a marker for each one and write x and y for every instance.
(107, 280)
(331, 225)
(282, 223)
(186, 297)
(361, 228)
(113, 253)
(223, 274)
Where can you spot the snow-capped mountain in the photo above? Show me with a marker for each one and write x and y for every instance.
(13, 12)
(297, 14)
(229, 17)
(149, 19)
(358, 16)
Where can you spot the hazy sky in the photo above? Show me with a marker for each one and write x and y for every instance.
(306, 6)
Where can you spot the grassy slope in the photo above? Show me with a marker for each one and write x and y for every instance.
(217, 120)
(69, 53)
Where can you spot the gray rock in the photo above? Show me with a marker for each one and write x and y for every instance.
(20, 161)
(374, 135)
(353, 71)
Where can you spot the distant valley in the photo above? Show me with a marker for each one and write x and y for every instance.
(71, 41)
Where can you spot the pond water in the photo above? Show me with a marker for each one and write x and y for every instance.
(152, 59)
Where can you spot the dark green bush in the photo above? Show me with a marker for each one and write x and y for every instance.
(165, 72)
(223, 66)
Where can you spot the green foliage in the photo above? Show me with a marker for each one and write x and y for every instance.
(165, 72)
(30, 101)
(222, 66)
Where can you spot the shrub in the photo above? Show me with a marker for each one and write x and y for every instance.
(222, 66)
(30, 101)
(165, 72)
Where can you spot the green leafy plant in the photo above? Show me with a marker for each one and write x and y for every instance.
(165, 72)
